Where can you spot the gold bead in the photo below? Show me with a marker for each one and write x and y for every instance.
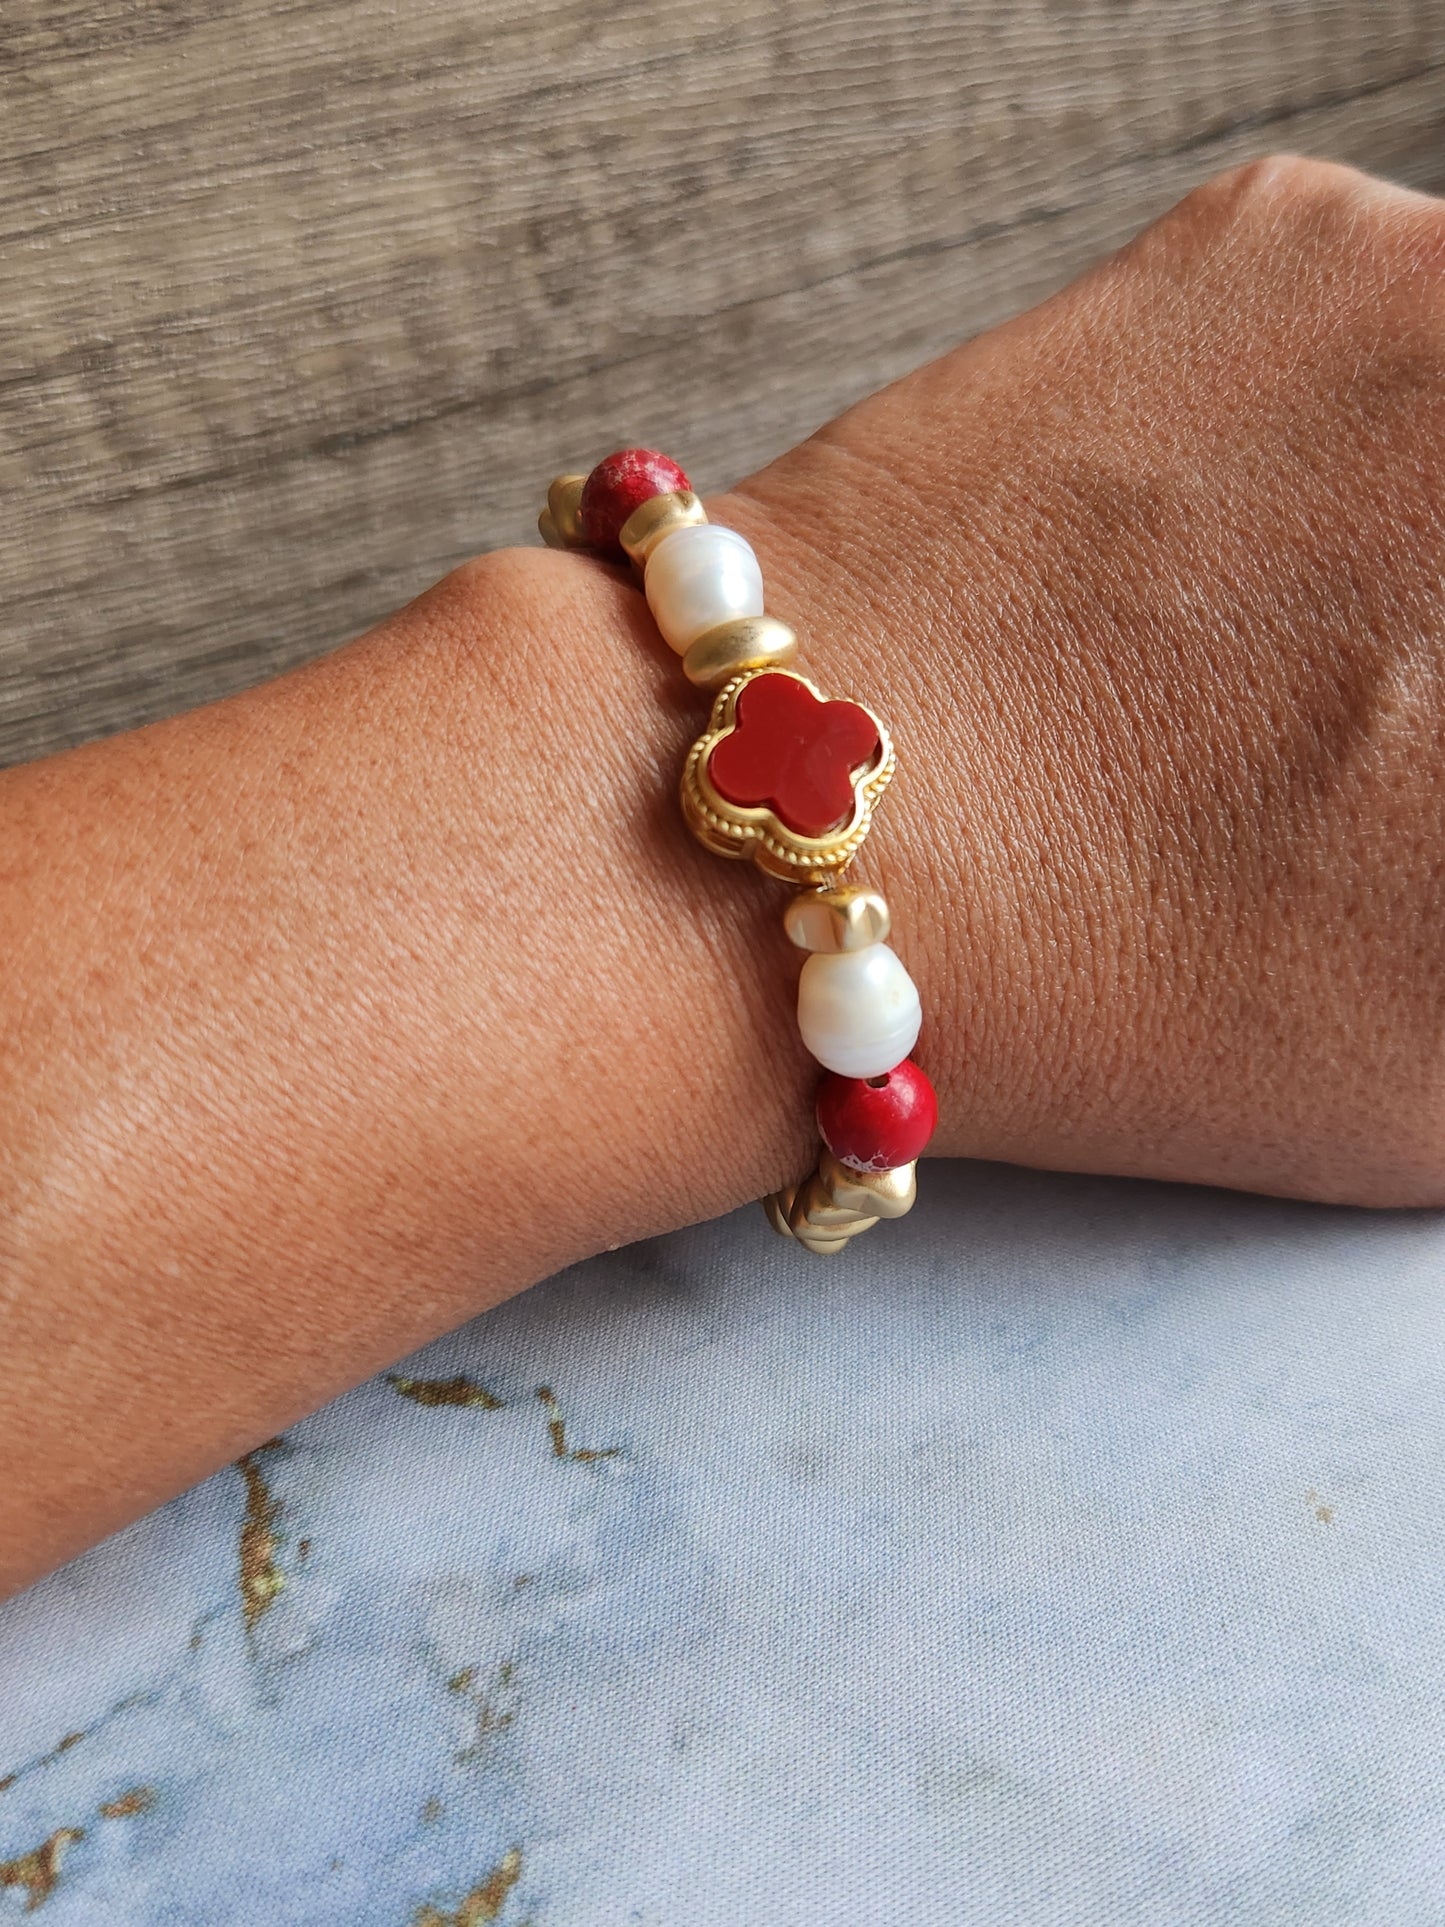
(816, 1219)
(659, 515)
(835, 1203)
(828, 921)
(547, 529)
(564, 505)
(815, 1215)
(886, 1194)
(777, 1206)
(815, 1207)
(821, 1247)
(743, 643)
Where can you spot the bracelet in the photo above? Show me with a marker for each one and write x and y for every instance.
(789, 778)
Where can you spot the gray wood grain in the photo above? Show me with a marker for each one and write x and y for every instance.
(304, 300)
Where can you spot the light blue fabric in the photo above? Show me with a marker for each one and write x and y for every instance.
(1073, 1552)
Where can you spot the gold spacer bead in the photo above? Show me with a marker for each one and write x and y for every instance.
(734, 647)
(564, 505)
(547, 529)
(821, 1247)
(658, 516)
(777, 1205)
(815, 1215)
(834, 1204)
(816, 1205)
(827, 921)
(886, 1194)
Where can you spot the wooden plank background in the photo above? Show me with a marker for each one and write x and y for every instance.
(305, 299)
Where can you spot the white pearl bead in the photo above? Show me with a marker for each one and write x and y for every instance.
(698, 577)
(858, 1010)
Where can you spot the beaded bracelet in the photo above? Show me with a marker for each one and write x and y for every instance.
(789, 778)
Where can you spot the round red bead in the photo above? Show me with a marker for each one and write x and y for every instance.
(877, 1123)
(620, 484)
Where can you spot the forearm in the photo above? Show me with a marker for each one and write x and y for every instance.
(340, 1010)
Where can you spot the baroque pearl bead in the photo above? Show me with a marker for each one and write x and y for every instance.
(858, 1010)
(698, 577)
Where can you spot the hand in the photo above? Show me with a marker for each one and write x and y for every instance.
(1151, 585)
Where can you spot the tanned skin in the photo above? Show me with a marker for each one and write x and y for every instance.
(340, 1010)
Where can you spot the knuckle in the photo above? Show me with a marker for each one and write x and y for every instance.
(1323, 202)
(1271, 189)
(1364, 256)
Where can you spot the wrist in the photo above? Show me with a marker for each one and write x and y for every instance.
(660, 1076)
(642, 733)
(848, 563)
(705, 589)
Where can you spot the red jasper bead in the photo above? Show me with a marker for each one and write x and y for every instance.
(620, 484)
(877, 1123)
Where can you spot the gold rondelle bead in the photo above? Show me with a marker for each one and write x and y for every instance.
(659, 515)
(547, 529)
(731, 648)
(827, 921)
(564, 505)
(886, 1194)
